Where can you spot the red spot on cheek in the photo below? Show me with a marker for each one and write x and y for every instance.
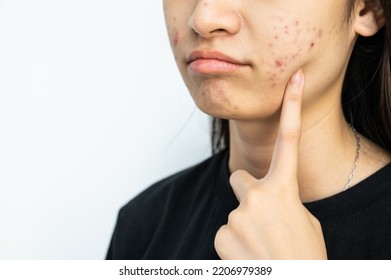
(320, 33)
(312, 45)
(278, 63)
(286, 29)
(175, 38)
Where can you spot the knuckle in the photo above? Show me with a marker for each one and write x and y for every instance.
(222, 237)
(291, 134)
(238, 175)
(294, 96)
(235, 219)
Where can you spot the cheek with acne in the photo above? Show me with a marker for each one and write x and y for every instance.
(301, 41)
(175, 38)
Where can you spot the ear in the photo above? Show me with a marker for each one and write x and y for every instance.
(368, 17)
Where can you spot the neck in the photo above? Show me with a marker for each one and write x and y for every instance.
(326, 153)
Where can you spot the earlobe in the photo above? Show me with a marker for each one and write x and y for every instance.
(369, 17)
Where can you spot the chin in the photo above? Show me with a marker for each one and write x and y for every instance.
(238, 104)
(241, 111)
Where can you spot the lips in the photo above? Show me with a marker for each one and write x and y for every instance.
(212, 62)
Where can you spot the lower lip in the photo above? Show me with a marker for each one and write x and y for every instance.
(213, 66)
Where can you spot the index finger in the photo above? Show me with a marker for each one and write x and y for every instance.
(285, 154)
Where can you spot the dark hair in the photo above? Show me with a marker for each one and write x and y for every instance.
(366, 92)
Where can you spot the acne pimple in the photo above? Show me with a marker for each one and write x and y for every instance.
(293, 32)
(175, 37)
(278, 63)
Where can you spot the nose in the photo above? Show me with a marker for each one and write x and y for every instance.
(213, 18)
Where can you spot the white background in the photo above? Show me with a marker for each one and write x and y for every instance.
(92, 111)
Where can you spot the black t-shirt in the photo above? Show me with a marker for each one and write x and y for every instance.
(178, 217)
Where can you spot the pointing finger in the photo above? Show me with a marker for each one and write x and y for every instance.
(285, 154)
(241, 181)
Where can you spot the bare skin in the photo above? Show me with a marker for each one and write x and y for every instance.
(264, 203)
(288, 137)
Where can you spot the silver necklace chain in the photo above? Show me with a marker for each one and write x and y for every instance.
(358, 148)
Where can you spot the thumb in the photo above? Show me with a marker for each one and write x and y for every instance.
(241, 182)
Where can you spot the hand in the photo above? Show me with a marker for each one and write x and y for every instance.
(271, 221)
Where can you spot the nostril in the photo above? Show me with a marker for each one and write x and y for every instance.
(220, 30)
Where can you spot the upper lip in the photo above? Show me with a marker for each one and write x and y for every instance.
(210, 54)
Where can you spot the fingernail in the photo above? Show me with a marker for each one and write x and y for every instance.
(297, 78)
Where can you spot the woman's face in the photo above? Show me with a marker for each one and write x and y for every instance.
(236, 56)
